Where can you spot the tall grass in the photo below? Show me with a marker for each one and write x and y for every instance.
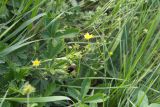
(119, 67)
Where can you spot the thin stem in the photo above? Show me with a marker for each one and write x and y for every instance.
(28, 100)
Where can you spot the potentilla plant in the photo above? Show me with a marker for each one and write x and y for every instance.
(79, 53)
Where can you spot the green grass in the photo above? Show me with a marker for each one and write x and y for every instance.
(75, 72)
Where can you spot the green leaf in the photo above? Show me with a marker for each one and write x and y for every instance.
(54, 48)
(38, 99)
(83, 105)
(51, 87)
(85, 87)
(6, 104)
(74, 93)
(142, 100)
(16, 46)
(97, 98)
(2, 45)
(93, 105)
(68, 33)
(3, 99)
(52, 30)
(25, 24)
(154, 105)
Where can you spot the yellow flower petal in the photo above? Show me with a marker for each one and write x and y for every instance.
(88, 36)
(36, 63)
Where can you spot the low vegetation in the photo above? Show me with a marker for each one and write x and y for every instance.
(79, 53)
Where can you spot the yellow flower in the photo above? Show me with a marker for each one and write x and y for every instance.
(28, 89)
(36, 63)
(88, 36)
(110, 53)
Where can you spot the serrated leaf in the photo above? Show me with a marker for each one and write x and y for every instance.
(85, 87)
(74, 93)
(54, 48)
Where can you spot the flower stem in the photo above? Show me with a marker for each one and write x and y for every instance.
(28, 100)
